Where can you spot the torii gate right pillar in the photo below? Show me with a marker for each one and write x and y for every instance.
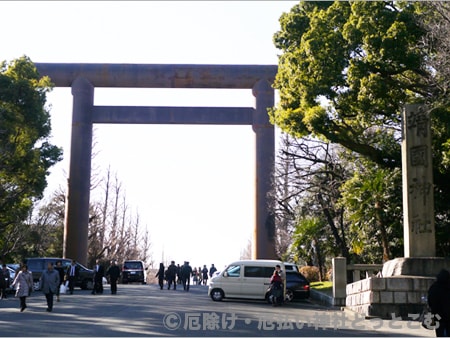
(264, 232)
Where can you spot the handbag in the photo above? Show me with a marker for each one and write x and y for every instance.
(428, 319)
(62, 289)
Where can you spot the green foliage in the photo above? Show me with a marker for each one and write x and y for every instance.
(39, 235)
(306, 232)
(25, 153)
(372, 200)
(311, 243)
(345, 71)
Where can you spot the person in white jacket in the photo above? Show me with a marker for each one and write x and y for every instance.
(23, 282)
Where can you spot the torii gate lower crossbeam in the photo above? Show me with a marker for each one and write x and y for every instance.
(83, 78)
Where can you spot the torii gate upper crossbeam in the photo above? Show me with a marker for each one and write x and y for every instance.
(159, 75)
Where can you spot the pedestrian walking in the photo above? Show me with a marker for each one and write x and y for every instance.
(5, 279)
(171, 275)
(200, 276)
(23, 282)
(114, 274)
(99, 273)
(212, 270)
(72, 275)
(186, 273)
(179, 280)
(205, 275)
(60, 269)
(195, 276)
(49, 284)
(439, 302)
(161, 275)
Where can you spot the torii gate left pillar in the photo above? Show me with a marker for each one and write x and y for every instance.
(76, 221)
(83, 78)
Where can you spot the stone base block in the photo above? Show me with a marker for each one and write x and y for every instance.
(398, 296)
(415, 266)
(400, 290)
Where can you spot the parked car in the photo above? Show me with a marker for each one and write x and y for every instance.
(134, 271)
(38, 264)
(297, 286)
(243, 279)
(291, 267)
(12, 268)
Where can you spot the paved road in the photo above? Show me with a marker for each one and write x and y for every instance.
(144, 310)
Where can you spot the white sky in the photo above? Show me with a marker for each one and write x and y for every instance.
(193, 186)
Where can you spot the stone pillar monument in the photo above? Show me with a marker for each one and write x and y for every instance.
(406, 279)
(418, 202)
(77, 207)
(264, 243)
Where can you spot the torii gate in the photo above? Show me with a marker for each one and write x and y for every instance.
(84, 77)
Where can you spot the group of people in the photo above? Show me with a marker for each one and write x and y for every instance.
(176, 274)
(113, 273)
(201, 275)
(55, 276)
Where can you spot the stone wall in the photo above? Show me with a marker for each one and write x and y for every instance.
(382, 297)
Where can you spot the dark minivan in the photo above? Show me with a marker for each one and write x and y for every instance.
(134, 271)
(38, 264)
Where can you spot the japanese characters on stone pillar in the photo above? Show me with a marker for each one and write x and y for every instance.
(418, 201)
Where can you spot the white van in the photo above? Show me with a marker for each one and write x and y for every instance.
(243, 279)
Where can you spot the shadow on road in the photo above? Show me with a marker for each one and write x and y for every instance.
(145, 310)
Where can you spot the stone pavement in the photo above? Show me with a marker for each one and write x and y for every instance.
(144, 310)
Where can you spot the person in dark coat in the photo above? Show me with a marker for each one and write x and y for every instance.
(171, 275)
(178, 278)
(212, 270)
(5, 277)
(205, 275)
(60, 269)
(160, 275)
(186, 273)
(72, 273)
(439, 302)
(114, 274)
(99, 273)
